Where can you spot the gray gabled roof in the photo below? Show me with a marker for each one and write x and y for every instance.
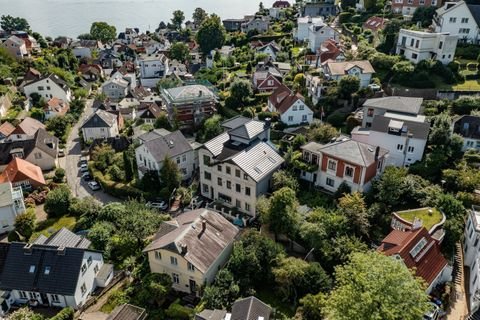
(208, 314)
(127, 312)
(248, 130)
(170, 145)
(66, 238)
(396, 103)
(250, 308)
(475, 11)
(100, 119)
(418, 130)
(353, 152)
(258, 161)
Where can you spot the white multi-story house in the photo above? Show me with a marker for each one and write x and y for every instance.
(319, 33)
(290, 105)
(468, 127)
(259, 24)
(16, 47)
(59, 271)
(152, 68)
(157, 145)
(237, 166)
(404, 106)
(315, 87)
(192, 248)
(349, 161)
(11, 205)
(303, 23)
(115, 89)
(49, 87)
(100, 125)
(417, 46)
(471, 257)
(362, 69)
(459, 18)
(405, 137)
(408, 7)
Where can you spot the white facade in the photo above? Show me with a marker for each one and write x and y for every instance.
(471, 259)
(303, 23)
(11, 205)
(48, 89)
(457, 19)
(82, 52)
(317, 34)
(100, 132)
(152, 69)
(417, 46)
(297, 113)
(16, 47)
(365, 78)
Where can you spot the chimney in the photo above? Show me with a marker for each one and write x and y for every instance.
(27, 249)
(377, 152)
(204, 225)
(268, 121)
(61, 251)
(184, 248)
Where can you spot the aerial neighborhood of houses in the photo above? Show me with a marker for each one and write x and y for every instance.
(311, 160)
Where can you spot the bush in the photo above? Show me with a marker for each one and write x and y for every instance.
(467, 51)
(344, 17)
(25, 223)
(64, 314)
(336, 119)
(178, 312)
(58, 201)
(116, 189)
(59, 175)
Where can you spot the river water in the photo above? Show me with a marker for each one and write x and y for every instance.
(73, 17)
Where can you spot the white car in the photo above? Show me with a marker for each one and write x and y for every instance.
(158, 205)
(433, 313)
(84, 168)
(94, 185)
(374, 86)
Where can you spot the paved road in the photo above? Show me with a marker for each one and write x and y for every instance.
(70, 163)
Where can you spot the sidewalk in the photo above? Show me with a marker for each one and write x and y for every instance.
(459, 307)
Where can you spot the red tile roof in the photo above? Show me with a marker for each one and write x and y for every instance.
(374, 23)
(57, 105)
(281, 4)
(283, 98)
(428, 262)
(20, 170)
(330, 49)
(6, 128)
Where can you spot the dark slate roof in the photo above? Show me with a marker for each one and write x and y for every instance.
(475, 11)
(208, 314)
(467, 126)
(250, 308)
(42, 139)
(235, 122)
(169, 145)
(64, 269)
(127, 312)
(396, 104)
(419, 130)
(100, 119)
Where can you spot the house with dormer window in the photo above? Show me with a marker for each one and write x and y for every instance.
(363, 70)
(290, 105)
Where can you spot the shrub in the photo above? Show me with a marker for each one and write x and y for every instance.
(336, 119)
(178, 312)
(58, 201)
(64, 314)
(344, 17)
(116, 189)
(25, 223)
(59, 175)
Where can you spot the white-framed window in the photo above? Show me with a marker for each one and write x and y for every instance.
(174, 261)
(400, 147)
(304, 118)
(32, 295)
(247, 191)
(158, 255)
(178, 160)
(418, 247)
(207, 175)
(330, 182)
(190, 267)
(464, 20)
(89, 261)
(84, 268)
(184, 158)
(205, 188)
(238, 203)
(410, 149)
(46, 271)
(31, 269)
(453, 20)
(83, 288)
(421, 2)
(349, 171)
(290, 118)
(22, 294)
(294, 108)
(55, 298)
(176, 278)
(301, 107)
(247, 207)
(332, 165)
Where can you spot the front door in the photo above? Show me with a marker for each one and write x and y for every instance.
(212, 194)
(193, 286)
(44, 298)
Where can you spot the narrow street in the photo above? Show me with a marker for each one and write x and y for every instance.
(70, 162)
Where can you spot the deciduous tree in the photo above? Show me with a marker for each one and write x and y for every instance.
(103, 31)
(283, 217)
(25, 223)
(199, 15)
(179, 51)
(9, 23)
(211, 34)
(178, 18)
(58, 201)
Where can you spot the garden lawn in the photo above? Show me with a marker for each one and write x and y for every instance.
(52, 225)
(428, 220)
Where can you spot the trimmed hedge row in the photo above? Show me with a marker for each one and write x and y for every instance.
(64, 314)
(116, 189)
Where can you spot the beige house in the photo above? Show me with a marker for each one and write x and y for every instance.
(192, 248)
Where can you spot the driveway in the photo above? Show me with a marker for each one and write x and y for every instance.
(70, 162)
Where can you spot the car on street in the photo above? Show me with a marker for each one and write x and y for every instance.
(83, 168)
(86, 176)
(61, 152)
(83, 160)
(94, 185)
(374, 87)
(158, 205)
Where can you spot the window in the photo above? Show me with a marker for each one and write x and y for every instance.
(219, 182)
(476, 242)
(370, 112)
(190, 267)
(453, 20)
(440, 45)
(41, 88)
(301, 107)
(412, 41)
(332, 165)
(418, 247)
(349, 171)
(422, 2)
(237, 173)
(464, 30)
(238, 203)
(23, 294)
(330, 182)
(47, 270)
(32, 295)
(38, 155)
(158, 255)
(84, 268)
(55, 298)
(414, 56)
(206, 160)
(207, 175)
(173, 261)
(32, 269)
(410, 1)
(410, 149)
(228, 170)
(229, 184)
(247, 191)
(464, 20)
(304, 118)
(89, 261)
(176, 278)
(48, 88)
(184, 158)
(399, 147)
(238, 187)
(245, 176)
(83, 288)
(219, 168)
(178, 160)
(205, 188)
(290, 118)
(95, 269)
(294, 108)
(417, 44)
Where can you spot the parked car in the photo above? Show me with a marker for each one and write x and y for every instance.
(433, 313)
(94, 185)
(86, 176)
(158, 205)
(374, 87)
(61, 152)
(83, 160)
(83, 167)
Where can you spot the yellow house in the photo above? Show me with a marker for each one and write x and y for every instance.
(192, 248)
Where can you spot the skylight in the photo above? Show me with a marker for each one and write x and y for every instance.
(47, 270)
(32, 269)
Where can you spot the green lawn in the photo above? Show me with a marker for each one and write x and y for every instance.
(52, 225)
(429, 220)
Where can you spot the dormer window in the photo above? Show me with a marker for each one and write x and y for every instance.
(47, 270)
(418, 247)
(32, 269)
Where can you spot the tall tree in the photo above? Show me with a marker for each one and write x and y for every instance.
(354, 208)
(283, 217)
(25, 223)
(177, 19)
(347, 86)
(211, 34)
(240, 91)
(58, 201)
(199, 15)
(179, 51)
(103, 31)
(9, 24)
(374, 286)
(170, 174)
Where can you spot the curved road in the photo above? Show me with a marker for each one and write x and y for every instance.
(70, 162)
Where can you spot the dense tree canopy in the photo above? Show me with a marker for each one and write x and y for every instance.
(9, 24)
(179, 51)
(178, 18)
(199, 15)
(211, 34)
(103, 31)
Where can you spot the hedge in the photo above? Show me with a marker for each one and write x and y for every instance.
(64, 314)
(116, 189)
(262, 97)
